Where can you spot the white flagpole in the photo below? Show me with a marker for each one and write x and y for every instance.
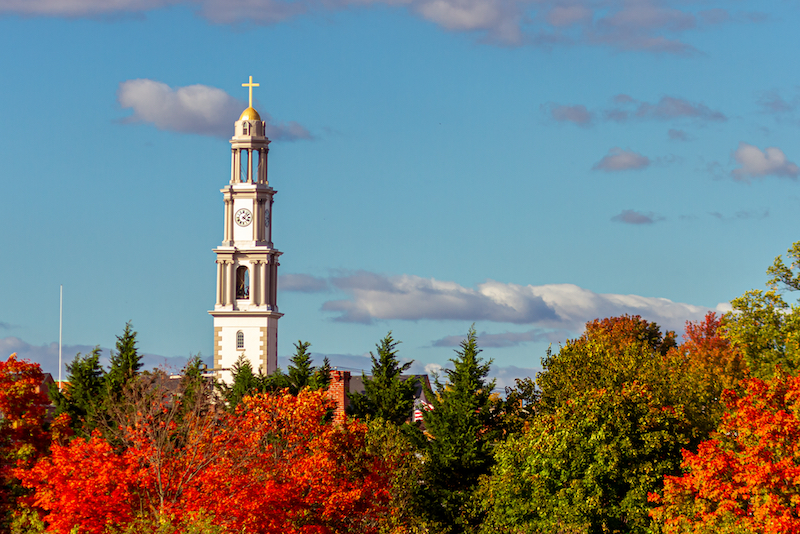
(60, 317)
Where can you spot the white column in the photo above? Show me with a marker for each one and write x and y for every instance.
(220, 282)
(255, 267)
(230, 283)
(233, 166)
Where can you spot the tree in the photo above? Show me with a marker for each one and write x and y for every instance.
(610, 353)
(587, 466)
(125, 363)
(703, 367)
(763, 327)
(386, 396)
(275, 465)
(82, 399)
(301, 371)
(245, 382)
(461, 432)
(23, 430)
(747, 477)
(321, 378)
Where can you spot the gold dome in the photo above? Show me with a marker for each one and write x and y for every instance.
(250, 114)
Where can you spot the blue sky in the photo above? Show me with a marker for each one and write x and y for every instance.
(523, 165)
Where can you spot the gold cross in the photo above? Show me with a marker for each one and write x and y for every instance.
(251, 85)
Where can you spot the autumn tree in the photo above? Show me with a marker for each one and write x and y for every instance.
(386, 395)
(703, 366)
(610, 353)
(460, 429)
(23, 433)
(746, 478)
(275, 465)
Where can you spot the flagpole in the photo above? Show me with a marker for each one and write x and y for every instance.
(60, 323)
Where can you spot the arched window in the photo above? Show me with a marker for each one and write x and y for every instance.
(242, 283)
(239, 339)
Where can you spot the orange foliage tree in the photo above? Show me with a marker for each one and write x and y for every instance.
(23, 434)
(747, 478)
(275, 465)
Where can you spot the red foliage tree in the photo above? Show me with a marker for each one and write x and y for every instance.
(23, 434)
(746, 479)
(276, 465)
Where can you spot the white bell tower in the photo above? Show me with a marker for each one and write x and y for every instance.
(246, 310)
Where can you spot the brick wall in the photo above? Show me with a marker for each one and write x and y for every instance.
(337, 392)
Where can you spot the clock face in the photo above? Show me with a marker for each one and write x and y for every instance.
(243, 217)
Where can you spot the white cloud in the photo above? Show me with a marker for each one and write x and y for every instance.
(636, 217)
(555, 306)
(197, 109)
(757, 164)
(618, 159)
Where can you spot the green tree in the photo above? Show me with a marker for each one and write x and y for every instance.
(763, 326)
(459, 450)
(587, 467)
(245, 383)
(321, 378)
(125, 362)
(82, 398)
(301, 371)
(386, 395)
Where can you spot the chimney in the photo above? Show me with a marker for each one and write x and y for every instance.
(337, 392)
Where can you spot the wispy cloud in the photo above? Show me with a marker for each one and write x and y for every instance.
(677, 135)
(506, 339)
(302, 283)
(374, 297)
(755, 163)
(636, 217)
(742, 215)
(645, 25)
(197, 109)
(575, 114)
(618, 159)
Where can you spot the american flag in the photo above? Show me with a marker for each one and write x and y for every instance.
(419, 407)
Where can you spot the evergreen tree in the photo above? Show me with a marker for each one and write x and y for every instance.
(245, 382)
(125, 363)
(386, 395)
(322, 375)
(459, 448)
(300, 370)
(194, 387)
(83, 396)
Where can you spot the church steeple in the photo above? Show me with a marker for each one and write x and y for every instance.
(246, 310)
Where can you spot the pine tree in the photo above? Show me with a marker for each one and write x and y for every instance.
(245, 382)
(300, 371)
(322, 375)
(125, 363)
(82, 398)
(460, 426)
(386, 395)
